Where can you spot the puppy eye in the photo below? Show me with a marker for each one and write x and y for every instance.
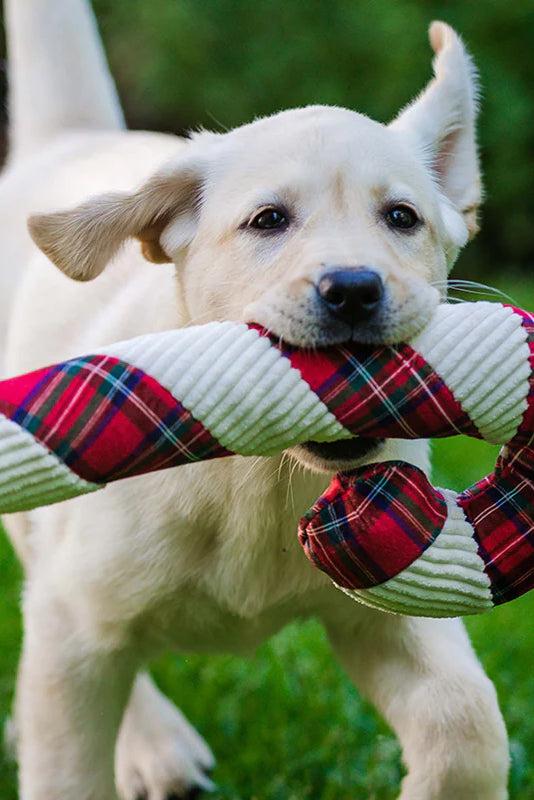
(402, 217)
(269, 219)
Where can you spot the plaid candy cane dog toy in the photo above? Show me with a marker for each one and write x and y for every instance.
(382, 532)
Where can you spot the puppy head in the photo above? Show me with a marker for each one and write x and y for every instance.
(318, 223)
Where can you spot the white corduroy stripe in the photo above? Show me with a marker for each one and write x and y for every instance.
(447, 580)
(481, 352)
(30, 475)
(236, 383)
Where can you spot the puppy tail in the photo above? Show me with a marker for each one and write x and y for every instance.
(58, 75)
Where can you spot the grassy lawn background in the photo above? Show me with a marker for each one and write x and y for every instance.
(288, 725)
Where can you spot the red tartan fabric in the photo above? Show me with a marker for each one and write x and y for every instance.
(387, 392)
(372, 523)
(106, 419)
(501, 511)
(501, 506)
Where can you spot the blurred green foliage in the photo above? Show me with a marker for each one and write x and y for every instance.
(218, 63)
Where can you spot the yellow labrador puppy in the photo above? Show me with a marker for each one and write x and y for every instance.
(322, 225)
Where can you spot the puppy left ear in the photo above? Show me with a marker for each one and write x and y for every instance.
(440, 123)
(161, 215)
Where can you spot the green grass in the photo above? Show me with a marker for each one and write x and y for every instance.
(288, 725)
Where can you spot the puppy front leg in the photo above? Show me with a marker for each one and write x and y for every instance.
(70, 699)
(425, 679)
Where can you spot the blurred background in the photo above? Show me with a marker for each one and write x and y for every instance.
(288, 725)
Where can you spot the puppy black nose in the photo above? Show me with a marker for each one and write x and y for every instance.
(352, 295)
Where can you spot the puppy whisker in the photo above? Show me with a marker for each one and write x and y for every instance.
(471, 287)
(255, 461)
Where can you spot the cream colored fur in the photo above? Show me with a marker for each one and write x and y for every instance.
(205, 558)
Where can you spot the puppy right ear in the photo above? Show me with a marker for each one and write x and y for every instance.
(440, 123)
(81, 241)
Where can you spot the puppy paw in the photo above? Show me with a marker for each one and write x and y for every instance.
(164, 768)
(159, 755)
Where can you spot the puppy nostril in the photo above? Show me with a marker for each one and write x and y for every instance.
(350, 294)
(371, 294)
(331, 293)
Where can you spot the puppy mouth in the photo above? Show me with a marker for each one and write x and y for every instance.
(383, 329)
(344, 454)
(334, 456)
(309, 324)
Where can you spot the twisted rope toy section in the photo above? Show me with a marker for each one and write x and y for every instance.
(382, 532)
(391, 540)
